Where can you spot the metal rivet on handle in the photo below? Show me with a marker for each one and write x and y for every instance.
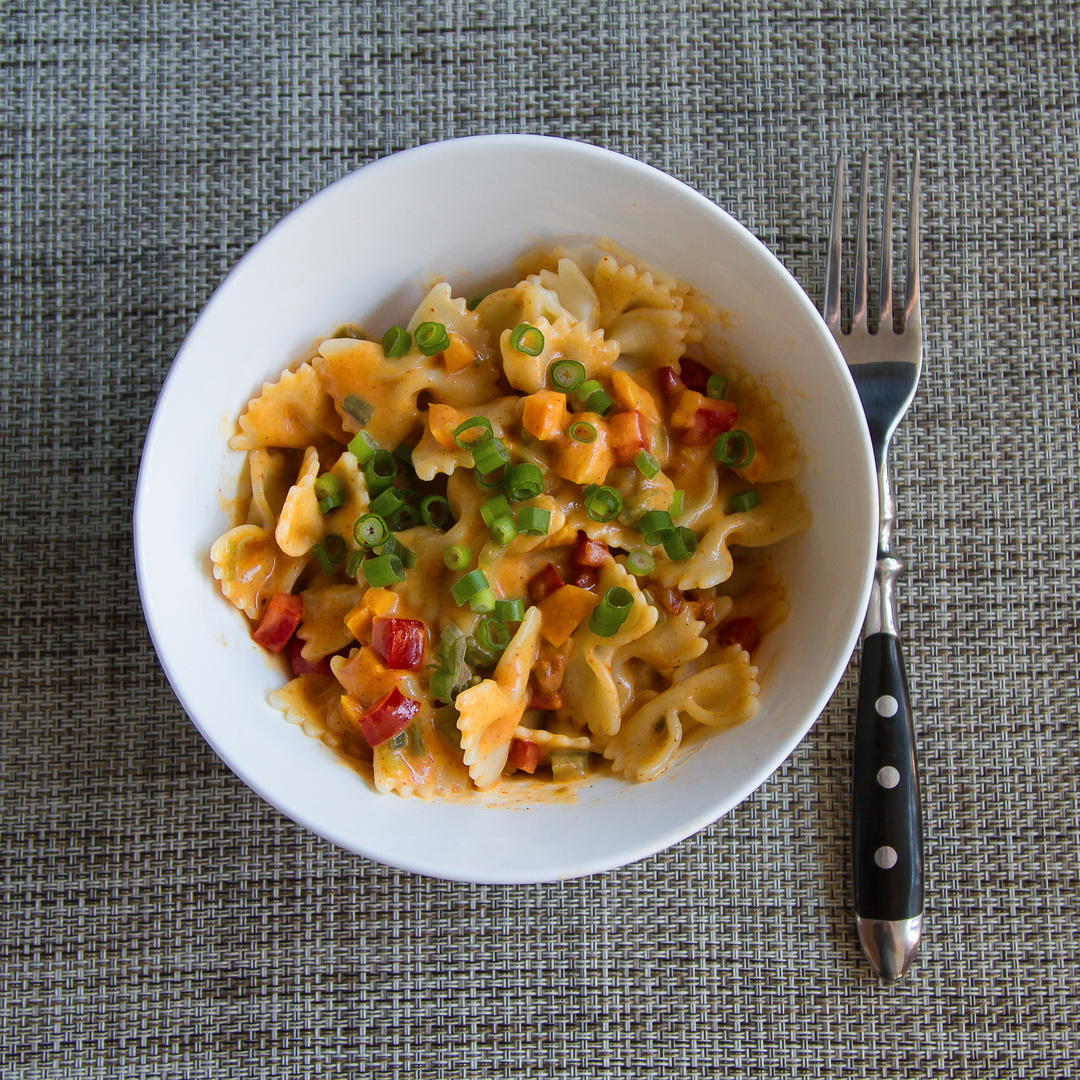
(886, 705)
(885, 857)
(888, 777)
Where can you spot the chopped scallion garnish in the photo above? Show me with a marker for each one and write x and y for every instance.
(384, 570)
(582, 431)
(676, 507)
(492, 633)
(524, 481)
(510, 610)
(735, 449)
(566, 375)
(456, 557)
(494, 509)
(654, 526)
(357, 408)
(388, 502)
(745, 500)
(474, 432)
(362, 446)
(640, 562)
(647, 464)
(394, 546)
(434, 511)
(602, 503)
(370, 530)
(503, 530)
(483, 601)
(397, 341)
(490, 455)
(592, 398)
(353, 563)
(330, 552)
(680, 544)
(465, 588)
(490, 481)
(380, 472)
(533, 521)
(528, 339)
(405, 517)
(330, 492)
(716, 387)
(431, 338)
(611, 612)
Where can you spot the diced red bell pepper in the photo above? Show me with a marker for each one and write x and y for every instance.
(586, 578)
(544, 582)
(524, 755)
(282, 617)
(694, 375)
(398, 643)
(669, 382)
(627, 436)
(544, 699)
(586, 552)
(300, 666)
(388, 717)
(709, 421)
(742, 632)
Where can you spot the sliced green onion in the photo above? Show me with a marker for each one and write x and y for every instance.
(587, 389)
(397, 341)
(383, 570)
(347, 330)
(716, 387)
(357, 408)
(431, 338)
(745, 500)
(330, 492)
(416, 739)
(533, 521)
(441, 684)
(647, 464)
(566, 375)
(330, 552)
(494, 509)
(490, 481)
(680, 544)
(490, 455)
(474, 432)
(456, 557)
(356, 558)
(380, 471)
(474, 303)
(385, 504)
(483, 601)
(592, 398)
(602, 503)
(510, 610)
(582, 431)
(370, 530)
(492, 634)
(403, 454)
(611, 612)
(434, 511)
(569, 765)
(676, 507)
(465, 588)
(640, 562)
(503, 530)
(734, 457)
(362, 446)
(394, 546)
(654, 526)
(477, 658)
(405, 517)
(524, 481)
(527, 339)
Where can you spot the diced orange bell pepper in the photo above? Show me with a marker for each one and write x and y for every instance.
(755, 470)
(458, 355)
(443, 420)
(544, 416)
(373, 602)
(626, 431)
(684, 408)
(631, 397)
(562, 612)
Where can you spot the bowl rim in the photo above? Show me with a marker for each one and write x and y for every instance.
(629, 850)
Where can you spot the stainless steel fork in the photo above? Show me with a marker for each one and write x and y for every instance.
(887, 858)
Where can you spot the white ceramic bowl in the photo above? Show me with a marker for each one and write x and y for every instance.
(362, 251)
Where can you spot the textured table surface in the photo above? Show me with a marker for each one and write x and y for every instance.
(157, 919)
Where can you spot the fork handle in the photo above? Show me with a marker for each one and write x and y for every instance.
(887, 821)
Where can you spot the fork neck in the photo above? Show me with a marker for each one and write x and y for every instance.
(881, 613)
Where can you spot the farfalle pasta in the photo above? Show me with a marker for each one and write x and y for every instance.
(524, 534)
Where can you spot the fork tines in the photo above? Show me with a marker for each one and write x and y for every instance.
(859, 313)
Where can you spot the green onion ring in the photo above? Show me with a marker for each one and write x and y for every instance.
(394, 546)
(680, 544)
(465, 588)
(434, 511)
(481, 424)
(456, 557)
(370, 531)
(510, 610)
(357, 408)
(654, 526)
(566, 375)
(431, 338)
(397, 341)
(729, 458)
(503, 530)
(492, 633)
(404, 517)
(483, 601)
(385, 504)
(533, 521)
(362, 446)
(602, 503)
(380, 472)
(716, 387)
(647, 464)
(582, 431)
(383, 570)
(527, 339)
(745, 500)
(640, 562)
(611, 612)
(524, 481)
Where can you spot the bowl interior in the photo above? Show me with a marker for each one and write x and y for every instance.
(364, 250)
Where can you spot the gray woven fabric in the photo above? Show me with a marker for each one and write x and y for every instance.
(158, 920)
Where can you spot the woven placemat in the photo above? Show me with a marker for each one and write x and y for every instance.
(157, 919)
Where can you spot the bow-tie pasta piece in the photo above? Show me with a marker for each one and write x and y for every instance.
(270, 481)
(437, 452)
(489, 712)
(574, 291)
(525, 302)
(323, 629)
(295, 412)
(251, 568)
(441, 306)
(300, 525)
(342, 519)
(590, 694)
(422, 762)
(313, 703)
(564, 339)
(721, 696)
